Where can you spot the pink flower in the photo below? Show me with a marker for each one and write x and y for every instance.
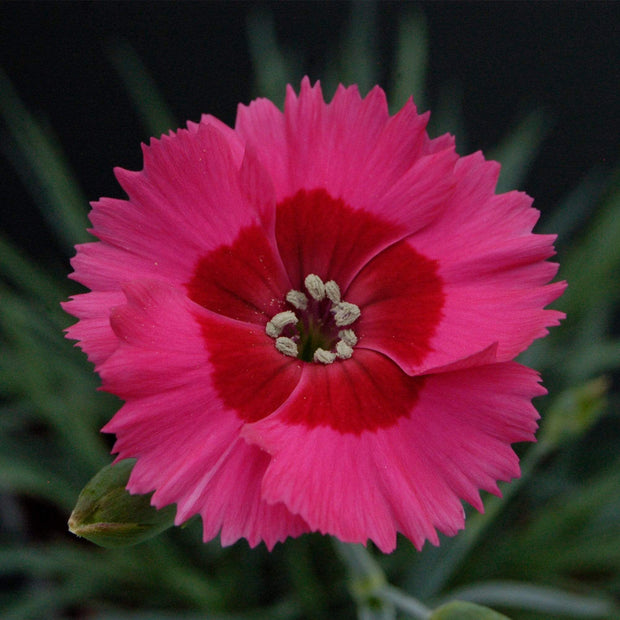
(312, 319)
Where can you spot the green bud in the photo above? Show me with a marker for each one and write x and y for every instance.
(108, 515)
(575, 411)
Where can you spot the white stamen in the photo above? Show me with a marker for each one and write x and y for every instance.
(348, 336)
(310, 316)
(315, 287)
(279, 322)
(297, 299)
(345, 313)
(323, 356)
(271, 330)
(343, 350)
(332, 290)
(287, 346)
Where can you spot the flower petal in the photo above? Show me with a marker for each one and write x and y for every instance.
(199, 463)
(390, 168)
(492, 273)
(361, 394)
(406, 477)
(250, 376)
(492, 266)
(318, 234)
(190, 190)
(233, 502)
(158, 342)
(418, 197)
(477, 317)
(198, 349)
(244, 280)
(93, 329)
(236, 145)
(323, 140)
(186, 439)
(401, 298)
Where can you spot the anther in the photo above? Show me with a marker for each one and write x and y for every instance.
(345, 313)
(323, 356)
(279, 322)
(332, 290)
(343, 350)
(297, 299)
(315, 287)
(348, 336)
(287, 346)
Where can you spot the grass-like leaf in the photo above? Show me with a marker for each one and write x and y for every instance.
(273, 66)
(517, 150)
(410, 65)
(541, 599)
(152, 109)
(39, 160)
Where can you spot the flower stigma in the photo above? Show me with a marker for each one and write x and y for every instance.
(319, 328)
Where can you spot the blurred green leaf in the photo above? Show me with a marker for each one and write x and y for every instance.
(541, 599)
(411, 62)
(574, 412)
(31, 279)
(367, 582)
(572, 538)
(280, 611)
(577, 207)
(273, 66)
(152, 109)
(447, 116)
(308, 589)
(356, 62)
(39, 366)
(591, 266)
(459, 610)
(517, 150)
(596, 356)
(40, 162)
(31, 478)
(151, 571)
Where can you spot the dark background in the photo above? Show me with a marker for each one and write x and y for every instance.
(507, 58)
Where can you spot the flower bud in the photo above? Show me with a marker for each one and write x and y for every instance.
(108, 515)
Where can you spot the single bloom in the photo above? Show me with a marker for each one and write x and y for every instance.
(312, 320)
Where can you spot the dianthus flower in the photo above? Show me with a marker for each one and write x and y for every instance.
(312, 319)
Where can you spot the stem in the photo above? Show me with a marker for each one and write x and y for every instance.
(404, 602)
(368, 583)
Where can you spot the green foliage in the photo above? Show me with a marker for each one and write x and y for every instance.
(459, 610)
(39, 160)
(549, 549)
(152, 109)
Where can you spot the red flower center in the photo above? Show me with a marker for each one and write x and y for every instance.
(338, 288)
